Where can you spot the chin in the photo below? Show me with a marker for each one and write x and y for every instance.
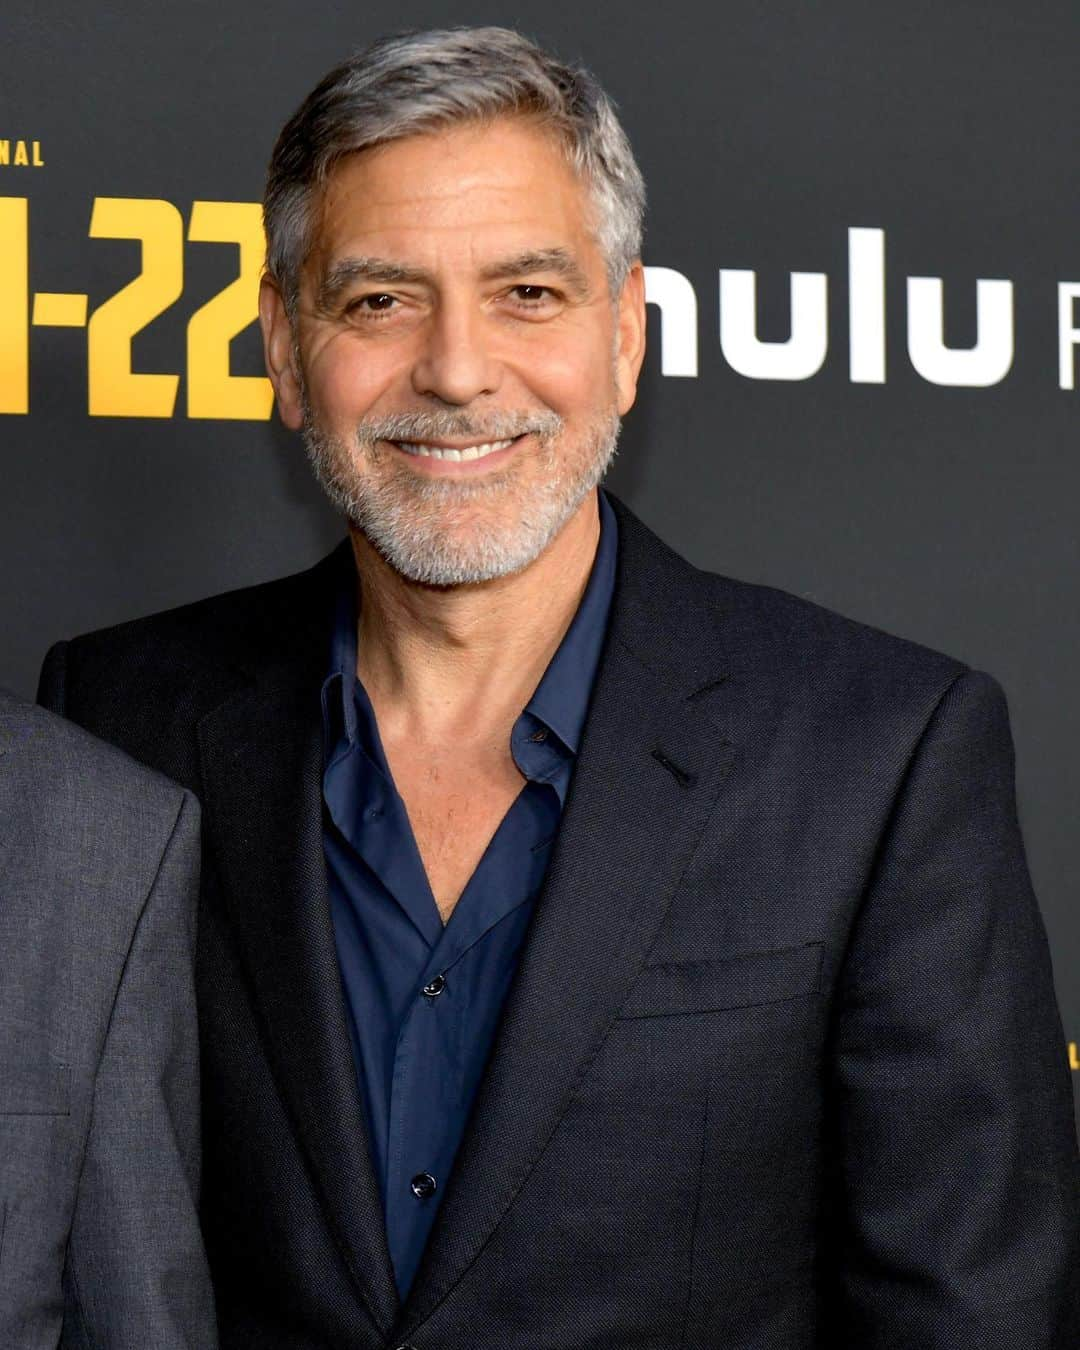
(450, 531)
(435, 552)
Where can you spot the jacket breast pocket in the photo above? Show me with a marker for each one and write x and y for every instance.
(34, 1087)
(748, 980)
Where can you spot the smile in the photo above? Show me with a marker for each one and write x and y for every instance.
(456, 453)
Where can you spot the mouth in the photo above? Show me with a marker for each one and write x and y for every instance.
(444, 452)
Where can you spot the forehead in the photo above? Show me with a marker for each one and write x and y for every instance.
(465, 189)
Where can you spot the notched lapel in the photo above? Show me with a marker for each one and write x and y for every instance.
(651, 766)
(262, 765)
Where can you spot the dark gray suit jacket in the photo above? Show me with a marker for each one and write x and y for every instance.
(781, 1068)
(99, 1151)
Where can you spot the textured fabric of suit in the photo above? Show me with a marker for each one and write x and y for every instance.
(781, 1068)
(99, 1149)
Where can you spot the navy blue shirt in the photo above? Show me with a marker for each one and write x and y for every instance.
(424, 999)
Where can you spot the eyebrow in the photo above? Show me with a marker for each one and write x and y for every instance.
(557, 260)
(342, 275)
(382, 271)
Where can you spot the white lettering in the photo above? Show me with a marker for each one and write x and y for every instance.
(674, 296)
(1068, 334)
(987, 362)
(866, 305)
(802, 355)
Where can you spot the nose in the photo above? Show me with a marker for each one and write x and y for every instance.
(455, 364)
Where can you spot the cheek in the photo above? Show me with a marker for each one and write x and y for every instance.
(574, 379)
(344, 382)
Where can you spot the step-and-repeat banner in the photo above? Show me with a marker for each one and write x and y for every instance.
(863, 263)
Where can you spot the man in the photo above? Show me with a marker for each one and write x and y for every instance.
(99, 1092)
(594, 952)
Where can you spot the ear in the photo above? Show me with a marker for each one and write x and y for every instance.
(630, 348)
(279, 355)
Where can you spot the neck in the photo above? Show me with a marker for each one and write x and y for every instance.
(463, 660)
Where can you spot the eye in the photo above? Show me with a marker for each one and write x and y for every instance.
(376, 303)
(530, 294)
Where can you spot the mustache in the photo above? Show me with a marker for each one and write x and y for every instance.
(424, 427)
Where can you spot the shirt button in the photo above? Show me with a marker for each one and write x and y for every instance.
(435, 988)
(423, 1185)
(540, 735)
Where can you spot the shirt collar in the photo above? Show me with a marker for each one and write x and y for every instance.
(561, 699)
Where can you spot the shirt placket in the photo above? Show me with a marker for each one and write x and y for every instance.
(426, 1085)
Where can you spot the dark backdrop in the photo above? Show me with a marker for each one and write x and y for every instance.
(942, 508)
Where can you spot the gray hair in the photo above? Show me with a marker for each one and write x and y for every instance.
(421, 82)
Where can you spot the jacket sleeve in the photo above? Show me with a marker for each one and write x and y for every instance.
(951, 1101)
(136, 1273)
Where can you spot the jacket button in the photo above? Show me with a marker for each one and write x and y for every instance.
(423, 1185)
(435, 988)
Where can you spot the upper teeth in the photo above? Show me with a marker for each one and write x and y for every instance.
(440, 452)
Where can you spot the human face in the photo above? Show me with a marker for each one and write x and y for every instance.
(457, 362)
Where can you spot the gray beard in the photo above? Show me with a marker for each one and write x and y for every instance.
(410, 520)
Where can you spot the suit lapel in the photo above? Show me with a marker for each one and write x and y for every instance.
(261, 752)
(649, 771)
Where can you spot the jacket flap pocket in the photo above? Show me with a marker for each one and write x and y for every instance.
(734, 982)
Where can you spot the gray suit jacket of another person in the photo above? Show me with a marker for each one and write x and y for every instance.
(99, 1101)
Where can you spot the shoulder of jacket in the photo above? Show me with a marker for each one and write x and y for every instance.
(174, 647)
(807, 641)
(772, 632)
(55, 760)
(805, 625)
